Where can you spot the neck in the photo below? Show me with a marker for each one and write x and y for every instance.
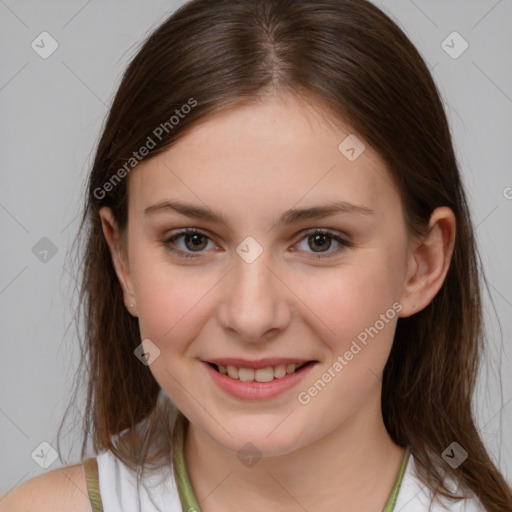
(352, 468)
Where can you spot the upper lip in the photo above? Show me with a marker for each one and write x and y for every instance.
(256, 364)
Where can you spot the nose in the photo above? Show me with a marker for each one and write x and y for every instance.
(256, 302)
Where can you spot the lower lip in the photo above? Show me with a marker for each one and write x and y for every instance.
(257, 390)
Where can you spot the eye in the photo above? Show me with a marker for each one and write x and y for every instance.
(195, 241)
(320, 241)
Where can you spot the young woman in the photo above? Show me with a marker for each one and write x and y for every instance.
(280, 280)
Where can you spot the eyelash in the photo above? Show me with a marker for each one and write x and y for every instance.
(169, 242)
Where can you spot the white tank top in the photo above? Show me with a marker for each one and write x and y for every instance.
(159, 491)
(119, 492)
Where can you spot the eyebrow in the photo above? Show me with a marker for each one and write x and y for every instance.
(288, 217)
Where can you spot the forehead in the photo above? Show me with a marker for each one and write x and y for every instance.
(265, 157)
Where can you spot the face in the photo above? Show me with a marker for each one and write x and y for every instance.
(249, 286)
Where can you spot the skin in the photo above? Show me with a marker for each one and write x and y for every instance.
(59, 489)
(250, 164)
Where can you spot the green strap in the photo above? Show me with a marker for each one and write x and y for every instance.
(187, 497)
(188, 500)
(390, 505)
(93, 483)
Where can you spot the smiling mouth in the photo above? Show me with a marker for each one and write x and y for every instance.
(267, 374)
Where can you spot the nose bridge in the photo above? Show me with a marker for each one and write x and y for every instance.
(254, 303)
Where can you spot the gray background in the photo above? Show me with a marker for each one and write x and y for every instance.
(52, 111)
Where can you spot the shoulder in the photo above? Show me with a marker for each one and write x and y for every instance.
(413, 496)
(60, 489)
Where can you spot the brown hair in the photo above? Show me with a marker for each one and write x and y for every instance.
(356, 62)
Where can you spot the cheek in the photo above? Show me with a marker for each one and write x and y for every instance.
(161, 291)
(355, 317)
(167, 312)
(345, 301)
(171, 299)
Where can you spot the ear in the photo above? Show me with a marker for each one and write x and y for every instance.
(429, 261)
(119, 257)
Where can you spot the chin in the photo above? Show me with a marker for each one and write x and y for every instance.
(262, 438)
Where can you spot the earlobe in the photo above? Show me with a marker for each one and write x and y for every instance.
(111, 233)
(429, 261)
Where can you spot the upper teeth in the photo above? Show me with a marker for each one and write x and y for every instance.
(260, 375)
